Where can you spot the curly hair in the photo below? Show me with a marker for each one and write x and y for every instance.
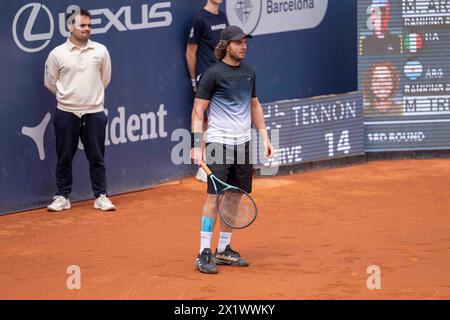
(369, 95)
(221, 49)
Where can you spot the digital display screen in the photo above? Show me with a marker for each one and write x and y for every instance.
(404, 73)
(312, 129)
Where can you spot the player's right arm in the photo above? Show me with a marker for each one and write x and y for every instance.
(205, 91)
(51, 73)
(198, 112)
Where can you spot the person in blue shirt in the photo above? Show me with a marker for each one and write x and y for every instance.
(204, 35)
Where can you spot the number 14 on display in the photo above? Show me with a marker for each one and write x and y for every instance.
(342, 145)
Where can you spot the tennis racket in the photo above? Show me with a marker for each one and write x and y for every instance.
(235, 206)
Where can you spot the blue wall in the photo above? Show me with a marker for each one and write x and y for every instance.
(307, 63)
(148, 71)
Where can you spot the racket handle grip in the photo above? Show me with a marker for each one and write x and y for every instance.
(206, 169)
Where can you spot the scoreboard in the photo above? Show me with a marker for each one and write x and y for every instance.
(404, 73)
(305, 130)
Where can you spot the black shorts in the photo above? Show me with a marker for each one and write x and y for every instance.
(231, 164)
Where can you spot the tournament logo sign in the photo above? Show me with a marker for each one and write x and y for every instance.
(258, 17)
(413, 70)
(413, 42)
(245, 14)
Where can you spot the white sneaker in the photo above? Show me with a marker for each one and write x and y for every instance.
(103, 203)
(201, 176)
(59, 203)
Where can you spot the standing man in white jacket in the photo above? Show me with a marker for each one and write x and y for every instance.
(77, 72)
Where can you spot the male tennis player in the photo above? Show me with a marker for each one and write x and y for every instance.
(227, 91)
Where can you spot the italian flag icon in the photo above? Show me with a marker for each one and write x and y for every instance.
(413, 42)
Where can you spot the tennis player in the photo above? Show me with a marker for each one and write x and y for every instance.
(227, 92)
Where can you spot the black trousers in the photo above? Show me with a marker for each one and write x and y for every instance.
(68, 130)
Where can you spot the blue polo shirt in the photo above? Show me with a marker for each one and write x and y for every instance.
(205, 31)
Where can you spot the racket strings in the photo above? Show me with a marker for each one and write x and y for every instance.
(237, 209)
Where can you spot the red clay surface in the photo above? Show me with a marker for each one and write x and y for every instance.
(316, 234)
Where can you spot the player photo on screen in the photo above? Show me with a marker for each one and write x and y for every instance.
(381, 84)
(379, 40)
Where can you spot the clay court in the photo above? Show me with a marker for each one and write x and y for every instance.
(316, 234)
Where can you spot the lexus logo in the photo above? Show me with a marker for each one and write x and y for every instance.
(27, 34)
(156, 15)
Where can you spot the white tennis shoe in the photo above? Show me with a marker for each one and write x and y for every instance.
(104, 203)
(59, 203)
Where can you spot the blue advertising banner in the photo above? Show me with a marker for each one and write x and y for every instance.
(149, 96)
